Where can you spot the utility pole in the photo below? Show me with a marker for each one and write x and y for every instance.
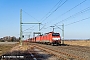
(39, 26)
(21, 27)
(62, 33)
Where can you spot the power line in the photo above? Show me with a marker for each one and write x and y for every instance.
(77, 21)
(69, 10)
(44, 16)
(60, 5)
(72, 8)
(30, 15)
(55, 10)
(52, 9)
(43, 27)
(82, 11)
(72, 16)
(28, 28)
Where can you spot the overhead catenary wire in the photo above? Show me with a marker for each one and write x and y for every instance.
(66, 12)
(55, 10)
(34, 17)
(78, 21)
(47, 13)
(31, 16)
(82, 11)
(52, 9)
(72, 16)
(71, 9)
(28, 28)
(58, 3)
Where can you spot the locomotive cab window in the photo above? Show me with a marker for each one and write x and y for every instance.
(55, 34)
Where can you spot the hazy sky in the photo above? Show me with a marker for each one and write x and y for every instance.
(48, 12)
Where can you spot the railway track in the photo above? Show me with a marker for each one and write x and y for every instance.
(62, 55)
(61, 52)
(81, 51)
(76, 48)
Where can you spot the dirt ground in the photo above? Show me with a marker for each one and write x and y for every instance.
(27, 52)
(5, 48)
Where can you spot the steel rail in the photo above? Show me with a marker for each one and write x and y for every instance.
(57, 53)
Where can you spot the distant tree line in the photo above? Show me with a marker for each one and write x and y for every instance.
(9, 39)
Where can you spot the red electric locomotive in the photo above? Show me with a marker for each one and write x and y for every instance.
(49, 38)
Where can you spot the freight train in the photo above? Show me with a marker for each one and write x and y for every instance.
(48, 38)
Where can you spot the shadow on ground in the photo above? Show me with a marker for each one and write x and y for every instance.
(61, 45)
(24, 55)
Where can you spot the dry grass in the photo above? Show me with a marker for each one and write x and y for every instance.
(5, 48)
(25, 46)
(78, 42)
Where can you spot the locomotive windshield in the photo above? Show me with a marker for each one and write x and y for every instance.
(55, 34)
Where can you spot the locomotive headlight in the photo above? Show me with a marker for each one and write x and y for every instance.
(56, 38)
